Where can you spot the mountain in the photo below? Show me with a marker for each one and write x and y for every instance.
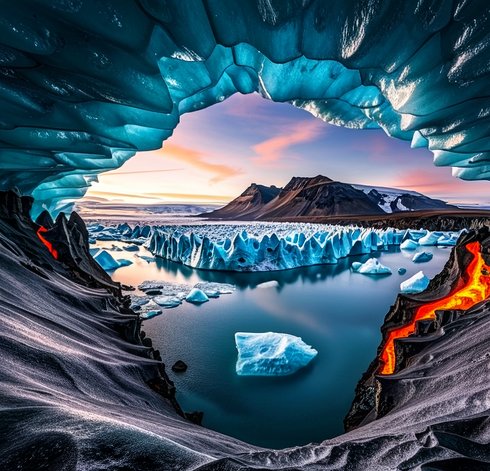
(321, 196)
(248, 205)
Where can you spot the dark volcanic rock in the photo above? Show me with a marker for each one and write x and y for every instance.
(80, 390)
(179, 367)
(376, 395)
(316, 197)
(247, 205)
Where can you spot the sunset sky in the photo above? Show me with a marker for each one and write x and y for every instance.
(216, 153)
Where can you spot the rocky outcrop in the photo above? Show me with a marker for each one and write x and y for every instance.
(376, 395)
(248, 205)
(76, 371)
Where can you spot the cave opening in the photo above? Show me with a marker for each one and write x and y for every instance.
(86, 85)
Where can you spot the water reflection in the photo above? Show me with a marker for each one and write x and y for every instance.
(312, 274)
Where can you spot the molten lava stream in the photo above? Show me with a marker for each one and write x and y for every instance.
(475, 290)
(46, 242)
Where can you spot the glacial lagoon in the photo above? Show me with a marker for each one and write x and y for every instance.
(334, 310)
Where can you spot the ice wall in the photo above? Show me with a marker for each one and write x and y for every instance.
(86, 84)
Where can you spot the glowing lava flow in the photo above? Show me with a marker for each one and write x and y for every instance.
(46, 242)
(475, 289)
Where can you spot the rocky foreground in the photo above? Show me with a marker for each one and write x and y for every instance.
(82, 388)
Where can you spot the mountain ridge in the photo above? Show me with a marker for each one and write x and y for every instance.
(320, 196)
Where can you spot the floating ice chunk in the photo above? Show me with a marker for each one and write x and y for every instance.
(268, 284)
(149, 314)
(196, 296)
(106, 261)
(372, 267)
(430, 238)
(409, 244)
(146, 258)
(167, 301)
(138, 301)
(150, 285)
(355, 266)
(214, 290)
(271, 354)
(131, 248)
(402, 271)
(422, 257)
(124, 262)
(416, 284)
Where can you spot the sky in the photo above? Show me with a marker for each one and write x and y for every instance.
(214, 154)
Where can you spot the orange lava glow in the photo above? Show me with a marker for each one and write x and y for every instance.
(46, 242)
(474, 288)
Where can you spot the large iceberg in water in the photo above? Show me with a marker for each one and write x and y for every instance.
(271, 354)
(371, 267)
(108, 262)
(415, 284)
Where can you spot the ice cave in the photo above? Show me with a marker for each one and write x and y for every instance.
(86, 84)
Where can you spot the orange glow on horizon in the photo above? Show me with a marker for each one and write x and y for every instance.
(475, 289)
(46, 242)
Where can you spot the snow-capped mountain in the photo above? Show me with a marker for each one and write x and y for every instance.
(321, 196)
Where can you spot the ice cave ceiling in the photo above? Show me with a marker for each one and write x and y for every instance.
(87, 83)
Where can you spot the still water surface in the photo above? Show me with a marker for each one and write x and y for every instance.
(336, 311)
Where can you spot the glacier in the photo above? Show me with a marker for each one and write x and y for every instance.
(274, 246)
(271, 354)
(86, 84)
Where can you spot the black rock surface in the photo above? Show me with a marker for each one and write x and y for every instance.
(80, 390)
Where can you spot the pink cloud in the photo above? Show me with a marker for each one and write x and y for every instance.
(197, 159)
(273, 149)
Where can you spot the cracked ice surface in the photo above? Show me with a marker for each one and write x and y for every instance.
(98, 81)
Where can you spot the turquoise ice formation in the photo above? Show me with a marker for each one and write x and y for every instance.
(197, 296)
(415, 284)
(409, 244)
(108, 262)
(270, 246)
(271, 354)
(371, 267)
(85, 85)
(422, 257)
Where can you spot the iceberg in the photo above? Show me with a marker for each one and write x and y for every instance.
(409, 244)
(268, 284)
(415, 284)
(108, 262)
(271, 354)
(371, 267)
(131, 248)
(150, 314)
(167, 301)
(422, 257)
(196, 296)
(431, 238)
